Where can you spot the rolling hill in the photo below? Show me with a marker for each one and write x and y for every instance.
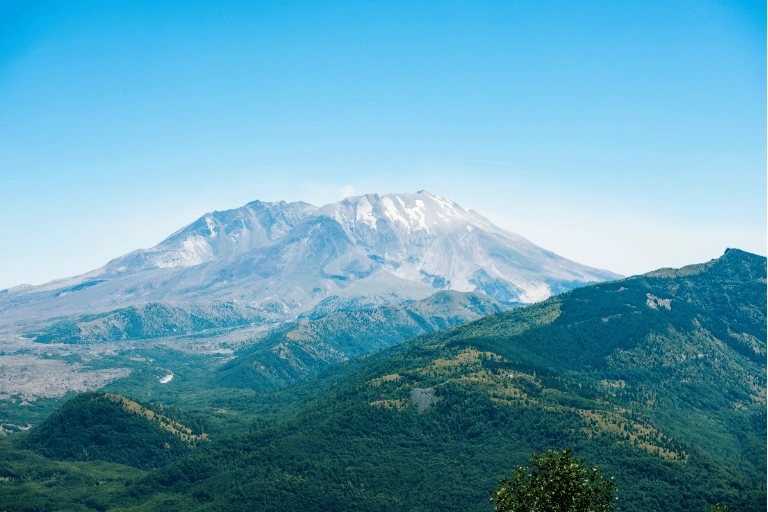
(112, 428)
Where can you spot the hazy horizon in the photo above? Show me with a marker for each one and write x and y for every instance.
(624, 137)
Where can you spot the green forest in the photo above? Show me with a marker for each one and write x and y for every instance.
(659, 380)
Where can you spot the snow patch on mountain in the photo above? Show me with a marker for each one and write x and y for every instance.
(364, 213)
(284, 258)
(193, 251)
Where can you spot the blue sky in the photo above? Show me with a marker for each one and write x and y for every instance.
(624, 135)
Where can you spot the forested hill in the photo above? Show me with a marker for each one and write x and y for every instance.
(659, 379)
(687, 347)
(147, 321)
(691, 322)
(113, 428)
(305, 347)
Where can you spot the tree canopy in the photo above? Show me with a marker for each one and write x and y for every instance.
(555, 481)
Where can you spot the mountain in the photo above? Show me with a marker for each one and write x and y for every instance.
(113, 428)
(147, 321)
(145, 276)
(217, 235)
(284, 258)
(332, 332)
(659, 379)
(303, 348)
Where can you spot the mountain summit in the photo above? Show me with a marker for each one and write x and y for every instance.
(285, 258)
(426, 239)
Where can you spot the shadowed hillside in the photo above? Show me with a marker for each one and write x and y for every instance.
(112, 428)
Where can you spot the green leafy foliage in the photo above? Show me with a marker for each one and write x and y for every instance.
(555, 481)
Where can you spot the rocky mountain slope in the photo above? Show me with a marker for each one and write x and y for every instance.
(283, 258)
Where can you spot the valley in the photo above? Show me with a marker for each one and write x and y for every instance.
(39, 375)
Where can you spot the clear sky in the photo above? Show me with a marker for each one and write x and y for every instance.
(623, 135)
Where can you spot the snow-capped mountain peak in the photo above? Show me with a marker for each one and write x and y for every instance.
(402, 213)
(286, 257)
(219, 234)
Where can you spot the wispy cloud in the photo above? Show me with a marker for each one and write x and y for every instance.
(346, 191)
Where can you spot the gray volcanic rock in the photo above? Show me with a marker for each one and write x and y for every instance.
(284, 258)
(215, 236)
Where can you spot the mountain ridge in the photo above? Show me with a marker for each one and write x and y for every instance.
(286, 257)
(317, 341)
